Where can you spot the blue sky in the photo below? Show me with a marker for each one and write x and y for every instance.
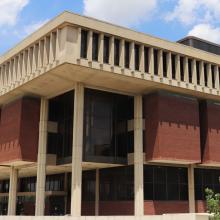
(168, 19)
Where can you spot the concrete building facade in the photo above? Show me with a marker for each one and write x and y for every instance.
(100, 120)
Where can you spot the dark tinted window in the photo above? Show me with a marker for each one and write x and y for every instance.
(181, 68)
(213, 76)
(84, 44)
(127, 54)
(190, 70)
(164, 64)
(198, 72)
(117, 52)
(165, 183)
(95, 46)
(205, 178)
(88, 185)
(205, 74)
(137, 57)
(4, 186)
(173, 61)
(155, 61)
(106, 133)
(61, 112)
(55, 182)
(106, 49)
(117, 184)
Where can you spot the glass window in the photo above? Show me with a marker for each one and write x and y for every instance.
(164, 64)
(106, 49)
(165, 183)
(206, 178)
(127, 54)
(28, 184)
(190, 70)
(181, 68)
(117, 52)
(146, 59)
(155, 62)
(84, 44)
(4, 186)
(55, 182)
(88, 185)
(213, 76)
(117, 184)
(137, 57)
(198, 72)
(61, 112)
(173, 61)
(95, 46)
(205, 74)
(105, 125)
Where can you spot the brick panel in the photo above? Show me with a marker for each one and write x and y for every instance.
(210, 132)
(108, 208)
(172, 131)
(19, 129)
(88, 208)
(201, 206)
(165, 207)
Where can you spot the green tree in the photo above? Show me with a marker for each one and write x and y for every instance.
(213, 203)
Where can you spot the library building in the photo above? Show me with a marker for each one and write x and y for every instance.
(100, 120)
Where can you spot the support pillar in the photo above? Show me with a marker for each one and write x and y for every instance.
(41, 159)
(97, 193)
(77, 150)
(12, 191)
(138, 157)
(191, 189)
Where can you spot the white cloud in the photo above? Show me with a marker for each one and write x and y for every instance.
(207, 32)
(123, 12)
(34, 26)
(191, 12)
(10, 10)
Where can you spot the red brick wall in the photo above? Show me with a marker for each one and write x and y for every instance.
(88, 208)
(116, 208)
(210, 119)
(108, 208)
(19, 130)
(172, 128)
(164, 207)
(200, 206)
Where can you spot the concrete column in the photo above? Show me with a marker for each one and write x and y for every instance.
(77, 150)
(177, 64)
(216, 75)
(122, 53)
(112, 51)
(89, 49)
(151, 60)
(12, 191)
(138, 157)
(191, 189)
(52, 52)
(97, 193)
(169, 66)
(41, 159)
(202, 74)
(194, 72)
(160, 63)
(142, 67)
(209, 72)
(132, 56)
(101, 46)
(186, 70)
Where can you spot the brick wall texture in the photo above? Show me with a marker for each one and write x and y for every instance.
(172, 128)
(19, 129)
